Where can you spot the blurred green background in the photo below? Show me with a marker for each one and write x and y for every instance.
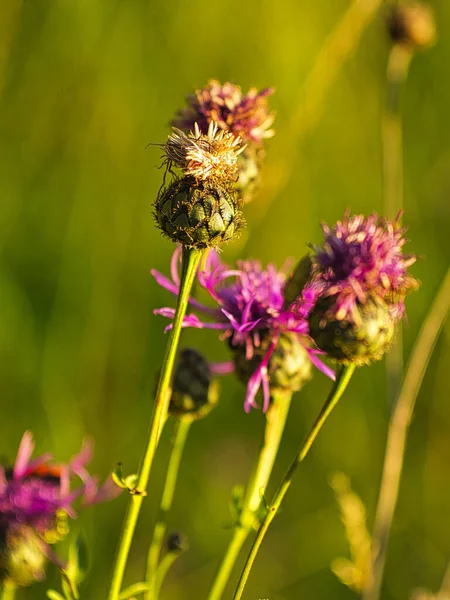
(85, 85)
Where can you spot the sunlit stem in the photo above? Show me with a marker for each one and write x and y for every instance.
(398, 432)
(8, 592)
(276, 420)
(343, 377)
(191, 258)
(182, 427)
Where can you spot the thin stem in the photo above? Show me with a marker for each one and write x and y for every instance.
(8, 592)
(133, 590)
(191, 258)
(342, 380)
(275, 424)
(163, 569)
(398, 432)
(396, 76)
(182, 427)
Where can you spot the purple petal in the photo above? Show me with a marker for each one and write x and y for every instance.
(24, 453)
(222, 368)
(320, 365)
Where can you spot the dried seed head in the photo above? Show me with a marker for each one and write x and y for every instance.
(412, 24)
(198, 214)
(289, 367)
(210, 156)
(194, 393)
(359, 337)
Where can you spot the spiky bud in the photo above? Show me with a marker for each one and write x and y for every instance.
(198, 214)
(359, 337)
(194, 392)
(22, 556)
(411, 24)
(289, 366)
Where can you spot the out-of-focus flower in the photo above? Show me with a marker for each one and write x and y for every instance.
(262, 333)
(200, 209)
(245, 115)
(358, 282)
(411, 24)
(36, 501)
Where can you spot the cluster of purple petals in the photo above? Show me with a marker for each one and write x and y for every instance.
(362, 257)
(249, 303)
(32, 492)
(245, 115)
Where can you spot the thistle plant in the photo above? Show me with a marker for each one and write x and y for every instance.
(355, 292)
(36, 503)
(245, 115)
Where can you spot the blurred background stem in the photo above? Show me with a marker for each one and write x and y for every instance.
(342, 380)
(8, 591)
(398, 431)
(396, 75)
(180, 435)
(190, 261)
(275, 423)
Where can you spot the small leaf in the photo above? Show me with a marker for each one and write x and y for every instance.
(127, 482)
(236, 502)
(77, 564)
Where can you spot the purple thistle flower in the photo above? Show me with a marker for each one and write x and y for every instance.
(251, 308)
(361, 258)
(245, 115)
(35, 493)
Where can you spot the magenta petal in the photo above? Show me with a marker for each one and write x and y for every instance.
(222, 368)
(24, 453)
(164, 282)
(320, 365)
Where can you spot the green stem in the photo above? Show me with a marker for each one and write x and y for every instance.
(398, 432)
(163, 569)
(182, 427)
(191, 258)
(396, 76)
(8, 592)
(133, 590)
(276, 420)
(342, 379)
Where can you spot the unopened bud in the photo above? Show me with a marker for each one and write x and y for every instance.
(412, 24)
(297, 280)
(177, 542)
(359, 338)
(22, 556)
(289, 366)
(198, 214)
(194, 393)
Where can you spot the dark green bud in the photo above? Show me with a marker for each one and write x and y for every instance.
(198, 214)
(22, 557)
(289, 366)
(359, 339)
(177, 542)
(297, 280)
(194, 393)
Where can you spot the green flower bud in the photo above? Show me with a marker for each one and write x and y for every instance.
(412, 24)
(198, 214)
(289, 366)
(22, 557)
(364, 337)
(297, 280)
(194, 393)
(177, 542)
(249, 165)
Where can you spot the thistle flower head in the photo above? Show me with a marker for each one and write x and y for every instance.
(358, 282)
(251, 315)
(35, 495)
(246, 115)
(204, 156)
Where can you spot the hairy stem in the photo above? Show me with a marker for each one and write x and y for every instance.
(398, 432)
(191, 258)
(182, 427)
(276, 420)
(343, 377)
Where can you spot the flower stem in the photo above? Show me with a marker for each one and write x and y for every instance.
(134, 590)
(182, 427)
(396, 75)
(398, 432)
(8, 592)
(276, 420)
(342, 379)
(191, 258)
